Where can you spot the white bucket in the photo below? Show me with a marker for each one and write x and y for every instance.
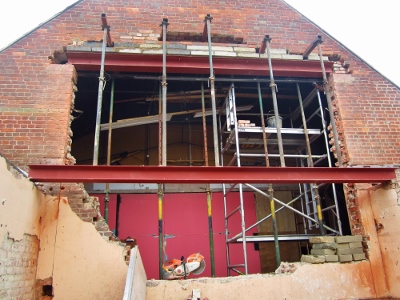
(271, 122)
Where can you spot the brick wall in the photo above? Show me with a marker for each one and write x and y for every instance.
(18, 262)
(36, 95)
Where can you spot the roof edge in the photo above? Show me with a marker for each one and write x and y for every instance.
(343, 46)
(40, 25)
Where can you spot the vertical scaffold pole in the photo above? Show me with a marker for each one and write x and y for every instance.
(100, 94)
(208, 19)
(275, 103)
(330, 106)
(107, 199)
(315, 186)
(270, 189)
(208, 189)
(163, 149)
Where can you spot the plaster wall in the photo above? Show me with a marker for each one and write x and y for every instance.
(41, 238)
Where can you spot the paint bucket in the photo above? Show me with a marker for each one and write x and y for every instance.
(271, 122)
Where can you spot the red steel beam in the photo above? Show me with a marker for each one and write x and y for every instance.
(117, 62)
(179, 174)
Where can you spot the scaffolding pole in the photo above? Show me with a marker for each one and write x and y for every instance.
(207, 20)
(272, 84)
(208, 189)
(107, 199)
(330, 106)
(105, 28)
(270, 189)
(314, 185)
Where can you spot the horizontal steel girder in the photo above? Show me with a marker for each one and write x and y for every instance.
(116, 62)
(179, 174)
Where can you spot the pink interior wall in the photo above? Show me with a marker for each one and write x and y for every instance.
(186, 228)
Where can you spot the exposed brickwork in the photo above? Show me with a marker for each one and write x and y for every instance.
(18, 262)
(36, 96)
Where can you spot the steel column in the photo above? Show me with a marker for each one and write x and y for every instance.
(208, 19)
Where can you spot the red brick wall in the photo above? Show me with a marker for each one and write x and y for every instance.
(35, 96)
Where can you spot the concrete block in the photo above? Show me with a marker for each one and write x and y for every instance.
(176, 46)
(292, 57)
(108, 49)
(153, 51)
(178, 51)
(348, 239)
(313, 259)
(248, 54)
(79, 48)
(323, 252)
(197, 48)
(325, 246)
(221, 48)
(345, 257)
(359, 256)
(224, 53)
(331, 258)
(322, 239)
(355, 245)
(350, 251)
(343, 246)
(125, 45)
(198, 52)
(150, 46)
(136, 50)
(244, 49)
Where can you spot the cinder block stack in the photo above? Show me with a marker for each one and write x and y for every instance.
(335, 249)
(245, 123)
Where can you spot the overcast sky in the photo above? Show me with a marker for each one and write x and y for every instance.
(367, 27)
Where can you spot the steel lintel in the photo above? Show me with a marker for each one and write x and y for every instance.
(117, 62)
(193, 174)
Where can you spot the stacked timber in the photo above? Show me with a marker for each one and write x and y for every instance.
(335, 249)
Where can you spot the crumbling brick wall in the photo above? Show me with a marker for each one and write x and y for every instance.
(18, 262)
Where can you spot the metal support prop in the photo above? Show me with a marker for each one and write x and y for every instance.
(208, 189)
(315, 187)
(100, 96)
(270, 189)
(208, 19)
(339, 221)
(107, 199)
(275, 103)
(330, 106)
(164, 25)
(161, 187)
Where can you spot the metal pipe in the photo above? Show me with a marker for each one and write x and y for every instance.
(275, 103)
(100, 99)
(270, 190)
(164, 25)
(308, 145)
(208, 19)
(107, 199)
(330, 107)
(159, 125)
(208, 190)
(160, 229)
(329, 163)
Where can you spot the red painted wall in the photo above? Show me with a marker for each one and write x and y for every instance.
(186, 228)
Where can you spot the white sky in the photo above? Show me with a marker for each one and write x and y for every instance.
(367, 27)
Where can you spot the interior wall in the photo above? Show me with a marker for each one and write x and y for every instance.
(186, 228)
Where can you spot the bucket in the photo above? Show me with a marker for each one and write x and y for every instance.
(272, 123)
